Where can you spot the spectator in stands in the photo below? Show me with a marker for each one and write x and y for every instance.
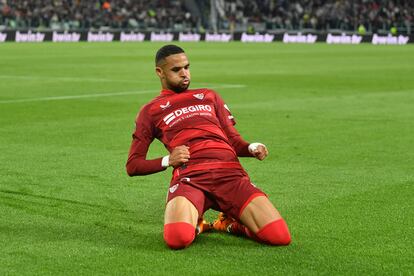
(238, 15)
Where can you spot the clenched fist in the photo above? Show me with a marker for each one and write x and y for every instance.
(179, 156)
(258, 150)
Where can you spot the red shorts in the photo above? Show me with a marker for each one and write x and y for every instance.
(226, 190)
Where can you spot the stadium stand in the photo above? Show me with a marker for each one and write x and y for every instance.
(375, 15)
(370, 16)
(81, 15)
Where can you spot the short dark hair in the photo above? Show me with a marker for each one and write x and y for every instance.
(166, 51)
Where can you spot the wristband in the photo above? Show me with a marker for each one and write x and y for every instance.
(253, 147)
(165, 162)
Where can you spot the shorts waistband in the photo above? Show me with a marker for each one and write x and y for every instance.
(206, 166)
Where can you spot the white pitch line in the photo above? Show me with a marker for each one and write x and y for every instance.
(98, 95)
(59, 98)
(58, 78)
(72, 79)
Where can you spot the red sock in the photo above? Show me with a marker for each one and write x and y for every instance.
(274, 233)
(178, 235)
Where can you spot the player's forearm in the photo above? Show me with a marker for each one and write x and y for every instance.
(238, 143)
(241, 147)
(138, 166)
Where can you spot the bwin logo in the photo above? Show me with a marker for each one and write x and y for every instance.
(165, 106)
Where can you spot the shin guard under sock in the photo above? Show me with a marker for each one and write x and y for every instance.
(274, 233)
(178, 235)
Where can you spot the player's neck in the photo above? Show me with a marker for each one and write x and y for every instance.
(166, 90)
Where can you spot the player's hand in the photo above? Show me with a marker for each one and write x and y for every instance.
(179, 156)
(259, 151)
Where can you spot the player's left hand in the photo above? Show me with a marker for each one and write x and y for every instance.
(259, 151)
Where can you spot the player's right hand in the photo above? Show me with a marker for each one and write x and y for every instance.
(179, 156)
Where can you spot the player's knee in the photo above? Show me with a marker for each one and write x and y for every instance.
(275, 233)
(178, 235)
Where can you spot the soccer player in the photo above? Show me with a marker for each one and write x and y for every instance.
(197, 129)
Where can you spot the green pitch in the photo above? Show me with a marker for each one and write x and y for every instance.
(338, 121)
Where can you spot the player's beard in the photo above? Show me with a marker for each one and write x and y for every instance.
(179, 87)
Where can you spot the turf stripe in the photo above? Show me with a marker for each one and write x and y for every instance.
(70, 79)
(59, 98)
(97, 95)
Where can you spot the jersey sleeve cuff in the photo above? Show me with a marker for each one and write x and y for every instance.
(253, 147)
(165, 162)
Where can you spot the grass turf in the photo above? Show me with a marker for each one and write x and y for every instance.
(338, 121)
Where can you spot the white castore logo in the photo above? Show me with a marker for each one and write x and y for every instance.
(174, 188)
(165, 106)
(199, 96)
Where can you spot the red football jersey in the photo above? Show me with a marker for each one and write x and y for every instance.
(196, 118)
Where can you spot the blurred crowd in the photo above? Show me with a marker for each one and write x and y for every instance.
(372, 15)
(93, 14)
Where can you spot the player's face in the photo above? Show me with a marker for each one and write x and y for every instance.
(175, 73)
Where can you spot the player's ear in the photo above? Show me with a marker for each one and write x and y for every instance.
(159, 72)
